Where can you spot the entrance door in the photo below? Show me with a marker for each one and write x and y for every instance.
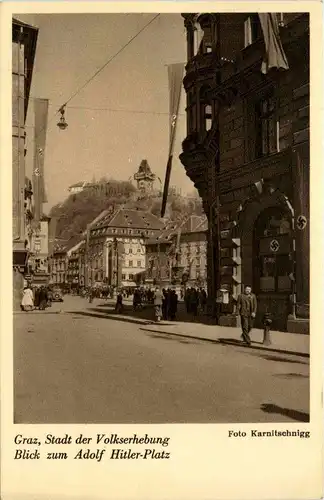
(273, 265)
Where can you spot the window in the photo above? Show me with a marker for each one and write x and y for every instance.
(252, 30)
(130, 250)
(207, 41)
(131, 277)
(267, 127)
(208, 117)
(139, 250)
(139, 263)
(130, 263)
(123, 277)
(281, 21)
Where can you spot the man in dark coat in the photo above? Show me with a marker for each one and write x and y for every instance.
(173, 304)
(247, 308)
(43, 298)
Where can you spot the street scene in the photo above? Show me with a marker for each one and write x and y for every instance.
(87, 364)
(161, 218)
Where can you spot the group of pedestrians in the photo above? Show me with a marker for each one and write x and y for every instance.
(35, 298)
(195, 300)
(165, 304)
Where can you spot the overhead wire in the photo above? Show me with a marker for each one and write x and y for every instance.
(101, 68)
(114, 110)
(112, 58)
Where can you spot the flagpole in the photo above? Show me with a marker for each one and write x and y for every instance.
(174, 119)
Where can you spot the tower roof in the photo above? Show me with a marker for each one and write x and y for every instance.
(144, 167)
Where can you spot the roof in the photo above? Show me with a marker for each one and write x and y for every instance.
(29, 39)
(75, 247)
(127, 218)
(78, 184)
(194, 223)
(45, 218)
(144, 167)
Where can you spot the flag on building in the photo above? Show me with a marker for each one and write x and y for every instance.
(41, 113)
(175, 74)
(275, 56)
(198, 34)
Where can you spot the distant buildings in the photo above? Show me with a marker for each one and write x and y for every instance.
(116, 246)
(75, 272)
(58, 266)
(144, 178)
(179, 254)
(78, 187)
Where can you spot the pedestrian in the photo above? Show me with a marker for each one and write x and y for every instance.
(42, 298)
(36, 297)
(187, 299)
(119, 302)
(247, 308)
(173, 305)
(194, 301)
(158, 304)
(164, 303)
(27, 302)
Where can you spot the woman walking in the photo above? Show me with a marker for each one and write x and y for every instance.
(27, 303)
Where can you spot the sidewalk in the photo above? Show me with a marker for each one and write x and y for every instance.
(282, 342)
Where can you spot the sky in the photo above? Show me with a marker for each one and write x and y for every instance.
(121, 117)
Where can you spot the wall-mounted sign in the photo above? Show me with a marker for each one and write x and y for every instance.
(301, 222)
(274, 245)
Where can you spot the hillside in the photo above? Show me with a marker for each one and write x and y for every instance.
(78, 210)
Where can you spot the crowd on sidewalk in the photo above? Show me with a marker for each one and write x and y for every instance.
(36, 298)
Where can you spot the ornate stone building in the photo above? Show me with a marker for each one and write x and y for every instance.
(247, 152)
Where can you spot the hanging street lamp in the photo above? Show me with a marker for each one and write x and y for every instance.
(62, 125)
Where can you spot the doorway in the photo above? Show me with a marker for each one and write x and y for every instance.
(273, 266)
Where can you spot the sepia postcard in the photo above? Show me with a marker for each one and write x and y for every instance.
(161, 263)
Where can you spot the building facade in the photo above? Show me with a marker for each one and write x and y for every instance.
(24, 40)
(247, 152)
(75, 273)
(193, 251)
(58, 266)
(116, 247)
(179, 254)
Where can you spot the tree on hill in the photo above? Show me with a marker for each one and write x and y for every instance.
(80, 209)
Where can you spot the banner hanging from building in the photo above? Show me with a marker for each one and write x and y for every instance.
(198, 35)
(41, 114)
(175, 75)
(275, 56)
